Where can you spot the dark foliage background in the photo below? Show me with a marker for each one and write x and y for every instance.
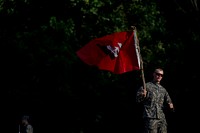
(41, 75)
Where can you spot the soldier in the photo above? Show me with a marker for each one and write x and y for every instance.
(26, 126)
(154, 97)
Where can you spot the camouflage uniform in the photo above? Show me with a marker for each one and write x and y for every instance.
(27, 129)
(154, 102)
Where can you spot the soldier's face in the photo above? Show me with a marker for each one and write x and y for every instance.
(158, 76)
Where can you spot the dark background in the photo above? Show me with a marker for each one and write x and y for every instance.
(42, 76)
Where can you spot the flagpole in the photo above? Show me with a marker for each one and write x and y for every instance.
(140, 58)
(142, 73)
(19, 128)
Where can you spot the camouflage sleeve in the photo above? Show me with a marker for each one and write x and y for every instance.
(29, 129)
(167, 98)
(139, 96)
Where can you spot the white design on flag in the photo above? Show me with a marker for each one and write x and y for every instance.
(119, 44)
(114, 50)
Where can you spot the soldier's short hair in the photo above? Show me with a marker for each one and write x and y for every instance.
(25, 117)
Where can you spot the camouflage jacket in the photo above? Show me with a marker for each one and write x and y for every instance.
(154, 102)
(27, 129)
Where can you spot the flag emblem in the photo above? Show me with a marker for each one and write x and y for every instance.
(116, 52)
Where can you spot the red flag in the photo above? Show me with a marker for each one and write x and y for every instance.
(116, 52)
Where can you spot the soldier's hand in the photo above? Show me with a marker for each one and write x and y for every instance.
(144, 93)
(171, 106)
